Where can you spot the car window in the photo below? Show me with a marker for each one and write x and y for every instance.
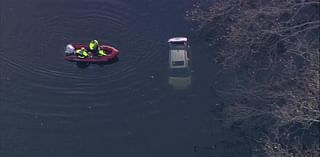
(174, 44)
(178, 63)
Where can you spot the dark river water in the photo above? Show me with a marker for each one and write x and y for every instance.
(54, 108)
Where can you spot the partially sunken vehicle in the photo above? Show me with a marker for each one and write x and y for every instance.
(179, 63)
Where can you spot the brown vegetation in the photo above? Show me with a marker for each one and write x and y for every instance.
(273, 48)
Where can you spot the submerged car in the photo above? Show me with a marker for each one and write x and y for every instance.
(179, 63)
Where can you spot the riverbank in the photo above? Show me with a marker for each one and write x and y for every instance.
(269, 51)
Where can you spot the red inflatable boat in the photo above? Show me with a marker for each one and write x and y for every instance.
(70, 55)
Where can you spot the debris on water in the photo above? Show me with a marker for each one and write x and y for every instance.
(152, 77)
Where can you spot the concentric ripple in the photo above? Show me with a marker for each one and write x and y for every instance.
(51, 107)
(35, 69)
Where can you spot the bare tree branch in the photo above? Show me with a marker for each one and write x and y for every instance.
(273, 49)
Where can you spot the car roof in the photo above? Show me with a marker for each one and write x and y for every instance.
(177, 54)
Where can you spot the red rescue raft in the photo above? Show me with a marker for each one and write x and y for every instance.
(70, 55)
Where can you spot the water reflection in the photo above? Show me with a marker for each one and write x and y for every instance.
(179, 76)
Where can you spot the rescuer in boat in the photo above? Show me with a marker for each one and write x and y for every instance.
(82, 53)
(94, 47)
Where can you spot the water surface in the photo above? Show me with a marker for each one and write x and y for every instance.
(51, 108)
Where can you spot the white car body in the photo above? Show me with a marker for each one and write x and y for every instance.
(179, 63)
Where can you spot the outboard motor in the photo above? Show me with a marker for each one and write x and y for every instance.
(70, 50)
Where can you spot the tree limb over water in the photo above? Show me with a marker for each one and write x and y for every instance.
(273, 49)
